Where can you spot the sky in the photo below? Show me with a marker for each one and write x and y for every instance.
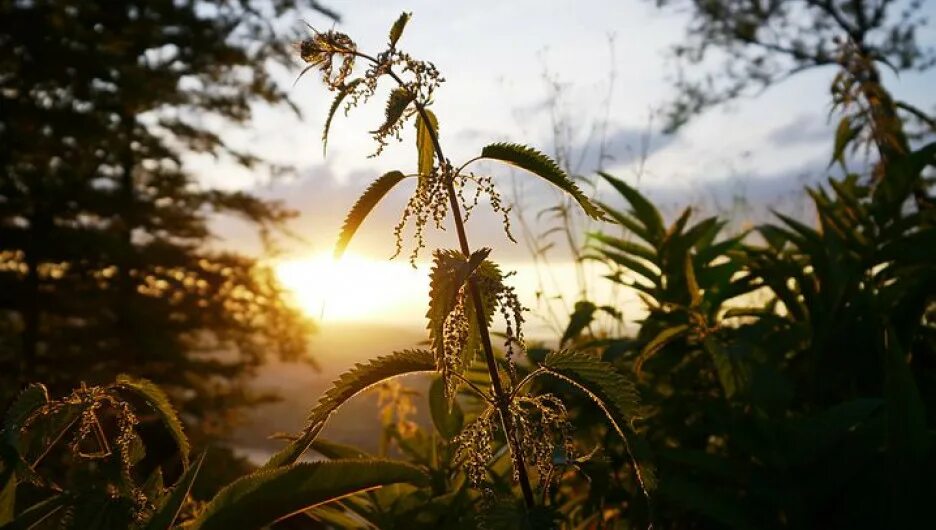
(500, 60)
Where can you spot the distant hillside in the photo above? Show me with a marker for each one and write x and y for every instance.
(336, 347)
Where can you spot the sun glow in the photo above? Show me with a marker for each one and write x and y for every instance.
(356, 288)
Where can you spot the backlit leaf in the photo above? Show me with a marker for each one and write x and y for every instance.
(348, 385)
(396, 31)
(424, 146)
(539, 164)
(372, 195)
(614, 393)
(399, 99)
(265, 496)
(159, 403)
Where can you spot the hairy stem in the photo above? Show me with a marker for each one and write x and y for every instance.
(501, 398)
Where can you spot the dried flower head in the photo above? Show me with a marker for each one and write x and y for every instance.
(323, 50)
(475, 447)
(543, 427)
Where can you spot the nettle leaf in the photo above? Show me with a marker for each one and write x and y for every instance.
(372, 195)
(342, 94)
(348, 385)
(539, 164)
(424, 146)
(168, 509)
(447, 416)
(614, 393)
(153, 396)
(450, 271)
(396, 31)
(399, 99)
(26, 403)
(268, 495)
(335, 451)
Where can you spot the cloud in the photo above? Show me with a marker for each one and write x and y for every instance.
(802, 129)
(618, 147)
(743, 198)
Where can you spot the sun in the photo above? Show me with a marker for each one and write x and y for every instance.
(355, 288)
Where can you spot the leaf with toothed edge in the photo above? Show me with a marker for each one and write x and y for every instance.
(348, 385)
(399, 99)
(25, 404)
(268, 495)
(396, 31)
(159, 402)
(539, 164)
(342, 94)
(450, 271)
(372, 195)
(424, 146)
(614, 393)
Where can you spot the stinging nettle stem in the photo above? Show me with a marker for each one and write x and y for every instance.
(501, 399)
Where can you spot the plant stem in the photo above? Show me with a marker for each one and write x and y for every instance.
(501, 399)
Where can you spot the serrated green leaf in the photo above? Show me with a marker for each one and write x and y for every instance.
(644, 210)
(614, 393)
(399, 99)
(268, 495)
(26, 403)
(153, 396)
(396, 31)
(424, 146)
(335, 451)
(450, 271)
(348, 385)
(539, 164)
(167, 512)
(447, 416)
(372, 195)
(342, 94)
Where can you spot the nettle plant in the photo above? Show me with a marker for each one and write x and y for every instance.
(86, 461)
(467, 288)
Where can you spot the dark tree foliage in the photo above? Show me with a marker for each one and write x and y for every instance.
(104, 266)
(755, 43)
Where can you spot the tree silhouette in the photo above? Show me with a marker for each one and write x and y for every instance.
(104, 266)
(759, 42)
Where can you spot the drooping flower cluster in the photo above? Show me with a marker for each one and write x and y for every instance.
(429, 202)
(90, 441)
(542, 426)
(323, 50)
(416, 80)
(475, 447)
(512, 311)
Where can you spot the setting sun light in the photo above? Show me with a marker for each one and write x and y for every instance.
(355, 288)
